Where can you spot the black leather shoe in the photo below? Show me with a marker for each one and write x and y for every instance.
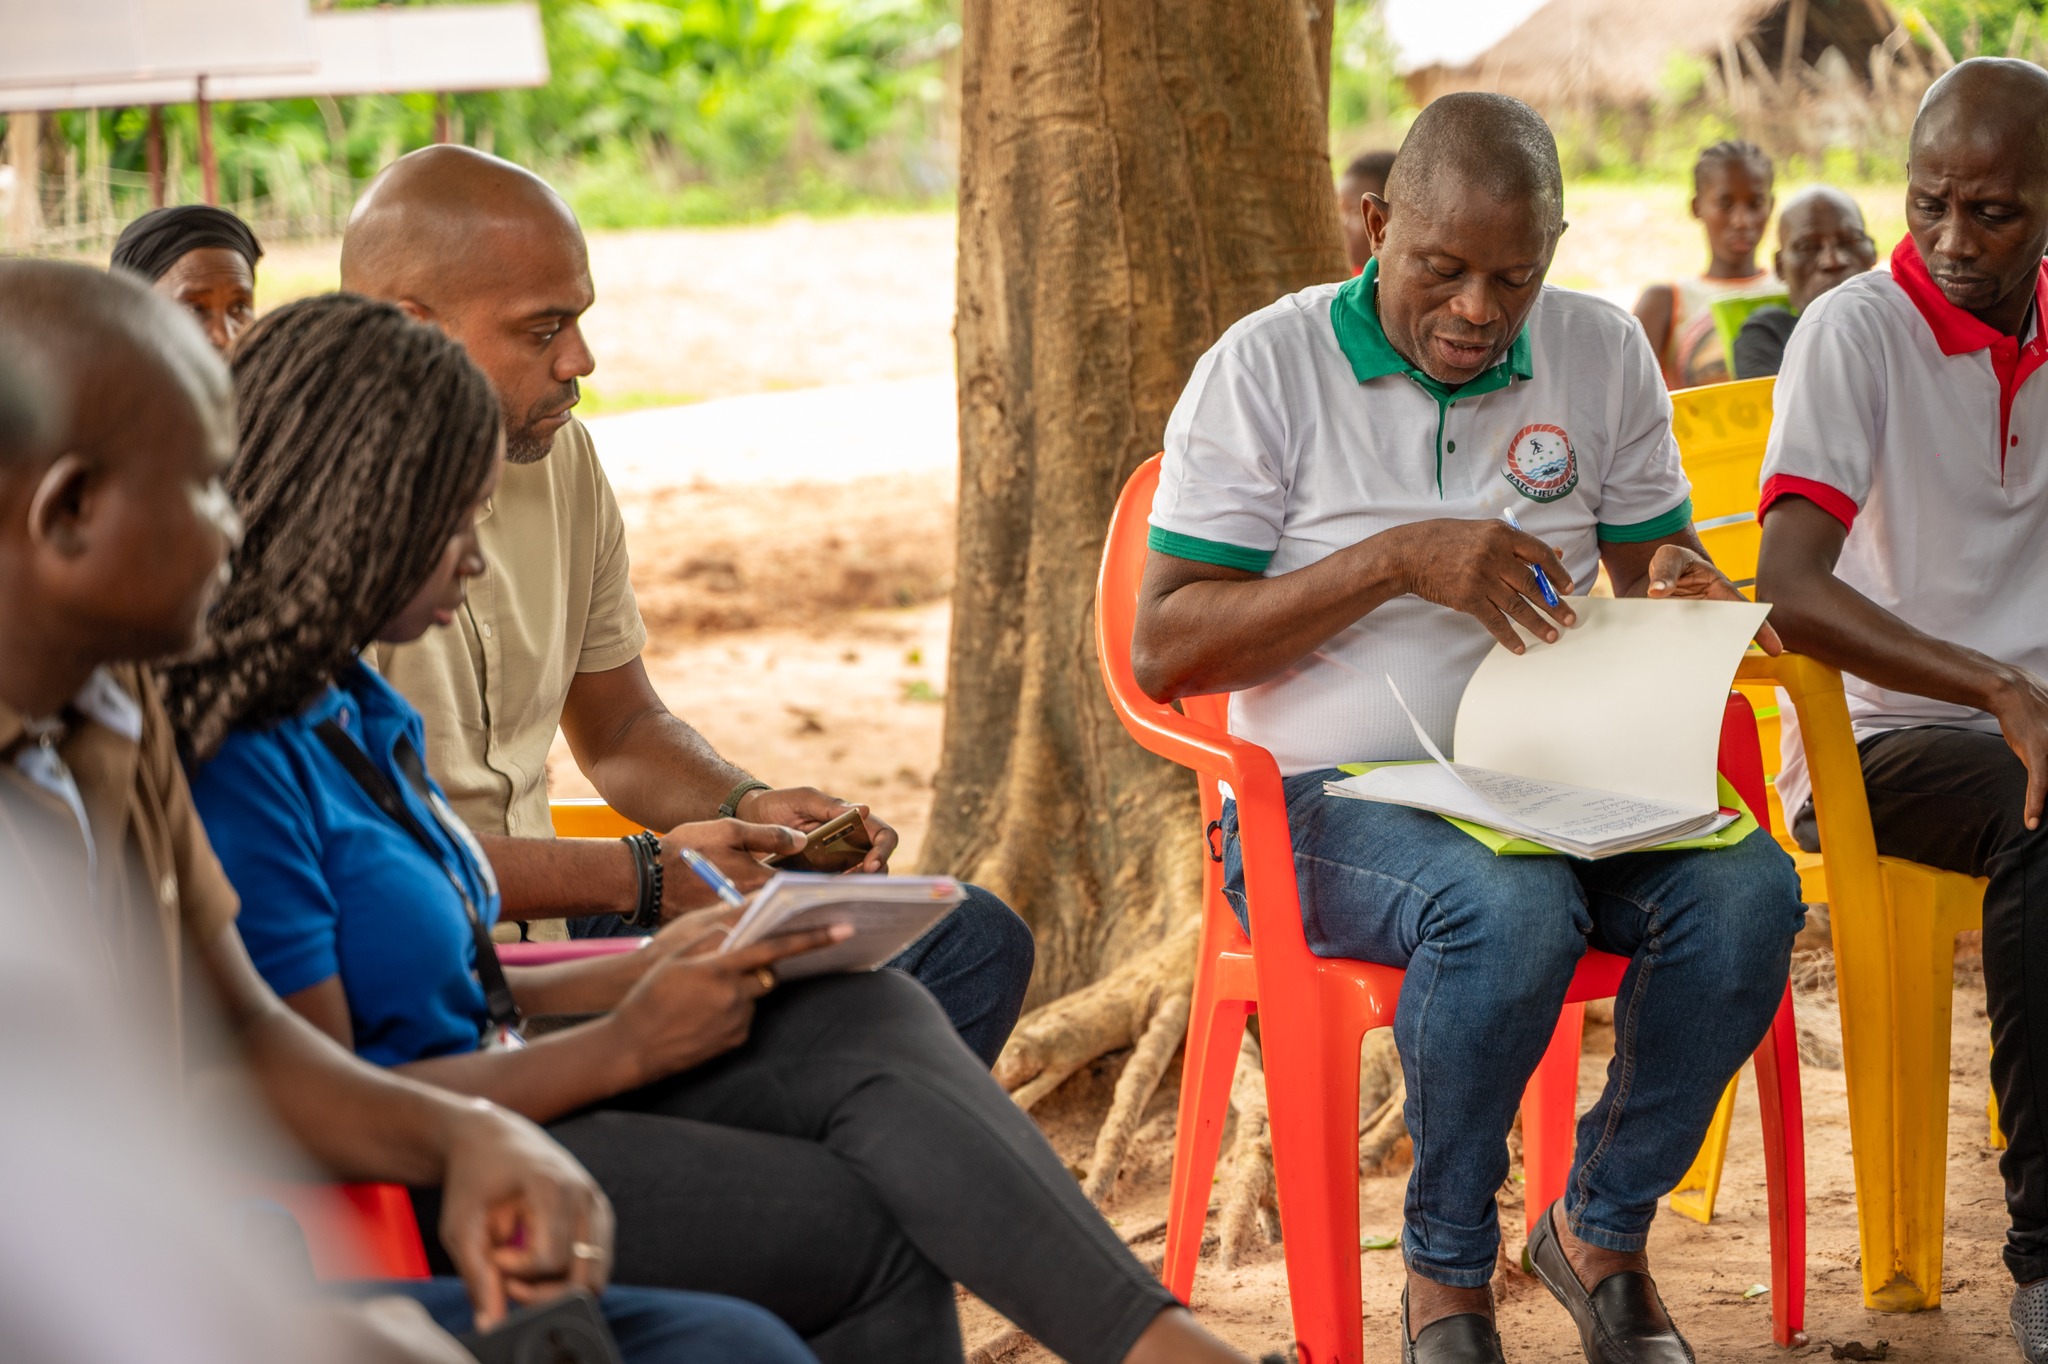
(1622, 1321)
(1467, 1338)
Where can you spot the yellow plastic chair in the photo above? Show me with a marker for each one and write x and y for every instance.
(1894, 922)
(589, 818)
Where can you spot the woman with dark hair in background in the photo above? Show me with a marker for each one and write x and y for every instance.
(199, 257)
(832, 1152)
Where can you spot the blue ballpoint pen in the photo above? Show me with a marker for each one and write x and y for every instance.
(711, 876)
(1542, 582)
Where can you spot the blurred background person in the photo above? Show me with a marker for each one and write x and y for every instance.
(201, 258)
(1367, 174)
(1732, 199)
(1821, 242)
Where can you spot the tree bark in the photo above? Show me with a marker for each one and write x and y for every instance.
(1322, 37)
(1136, 175)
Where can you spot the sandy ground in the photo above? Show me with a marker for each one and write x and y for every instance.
(1703, 1271)
(793, 551)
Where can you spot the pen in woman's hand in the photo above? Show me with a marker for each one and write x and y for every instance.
(1542, 579)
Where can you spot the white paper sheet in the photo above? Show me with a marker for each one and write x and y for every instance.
(1573, 819)
(1628, 701)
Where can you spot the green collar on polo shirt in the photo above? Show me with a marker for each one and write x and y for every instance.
(1355, 317)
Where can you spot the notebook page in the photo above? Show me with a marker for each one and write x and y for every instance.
(1628, 701)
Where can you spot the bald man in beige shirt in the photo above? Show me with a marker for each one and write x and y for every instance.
(551, 635)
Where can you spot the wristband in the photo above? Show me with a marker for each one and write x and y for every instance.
(730, 807)
(646, 850)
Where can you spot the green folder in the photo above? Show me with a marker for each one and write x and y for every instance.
(1508, 845)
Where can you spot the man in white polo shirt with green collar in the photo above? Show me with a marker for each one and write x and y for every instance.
(1905, 541)
(1331, 513)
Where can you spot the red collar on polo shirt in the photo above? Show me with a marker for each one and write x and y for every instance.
(1959, 333)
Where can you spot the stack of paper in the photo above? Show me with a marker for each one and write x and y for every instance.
(888, 913)
(1602, 743)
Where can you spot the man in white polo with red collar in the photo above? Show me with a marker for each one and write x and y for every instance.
(1329, 514)
(1905, 540)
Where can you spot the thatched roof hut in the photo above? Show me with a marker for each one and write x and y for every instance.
(1585, 55)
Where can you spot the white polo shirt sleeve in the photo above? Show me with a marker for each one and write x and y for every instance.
(1644, 494)
(1222, 495)
(1827, 421)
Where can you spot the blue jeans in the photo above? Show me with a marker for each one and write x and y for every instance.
(651, 1325)
(976, 962)
(1489, 945)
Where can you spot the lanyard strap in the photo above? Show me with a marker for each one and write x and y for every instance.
(503, 1009)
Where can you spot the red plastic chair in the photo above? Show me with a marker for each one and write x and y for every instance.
(1317, 1010)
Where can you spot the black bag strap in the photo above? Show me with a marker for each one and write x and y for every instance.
(498, 1000)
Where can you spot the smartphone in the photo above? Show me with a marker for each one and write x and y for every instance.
(564, 1330)
(836, 845)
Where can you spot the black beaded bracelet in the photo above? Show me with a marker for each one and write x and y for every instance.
(646, 848)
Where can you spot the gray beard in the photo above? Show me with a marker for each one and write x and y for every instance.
(527, 446)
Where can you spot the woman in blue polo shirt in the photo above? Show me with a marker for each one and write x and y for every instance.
(832, 1152)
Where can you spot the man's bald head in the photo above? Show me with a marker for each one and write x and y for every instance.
(493, 257)
(114, 528)
(1821, 242)
(424, 227)
(110, 356)
(1989, 101)
(1477, 143)
(1977, 186)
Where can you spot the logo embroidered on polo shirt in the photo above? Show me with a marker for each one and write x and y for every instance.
(1541, 463)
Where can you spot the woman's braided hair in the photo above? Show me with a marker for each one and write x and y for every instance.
(363, 438)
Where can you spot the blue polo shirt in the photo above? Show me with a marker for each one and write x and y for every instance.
(332, 887)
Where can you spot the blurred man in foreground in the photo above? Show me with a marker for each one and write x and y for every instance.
(114, 529)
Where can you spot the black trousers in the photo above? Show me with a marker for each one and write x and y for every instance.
(844, 1169)
(1955, 799)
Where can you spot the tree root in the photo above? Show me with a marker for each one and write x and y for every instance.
(1383, 1137)
(1248, 1175)
(1058, 1039)
(1134, 1089)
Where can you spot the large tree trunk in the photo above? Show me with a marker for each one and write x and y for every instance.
(1135, 176)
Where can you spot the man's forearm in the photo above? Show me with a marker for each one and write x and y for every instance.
(1819, 615)
(562, 878)
(1218, 634)
(661, 773)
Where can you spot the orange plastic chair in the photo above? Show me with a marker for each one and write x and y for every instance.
(1315, 1012)
(1894, 922)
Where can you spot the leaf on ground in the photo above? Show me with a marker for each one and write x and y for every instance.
(1379, 1242)
(1755, 1290)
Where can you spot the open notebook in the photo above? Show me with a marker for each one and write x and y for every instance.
(1602, 743)
(888, 913)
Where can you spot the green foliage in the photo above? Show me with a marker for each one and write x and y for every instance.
(657, 111)
(1979, 27)
(1367, 99)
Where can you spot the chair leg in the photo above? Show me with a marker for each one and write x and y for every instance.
(1701, 1184)
(1215, 1032)
(1923, 995)
(1784, 1124)
(1991, 1114)
(1550, 1109)
(1312, 1100)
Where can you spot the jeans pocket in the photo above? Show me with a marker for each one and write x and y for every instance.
(1233, 866)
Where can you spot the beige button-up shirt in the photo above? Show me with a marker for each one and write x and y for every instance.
(555, 601)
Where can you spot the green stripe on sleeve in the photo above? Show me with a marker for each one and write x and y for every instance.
(1208, 551)
(1656, 528)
